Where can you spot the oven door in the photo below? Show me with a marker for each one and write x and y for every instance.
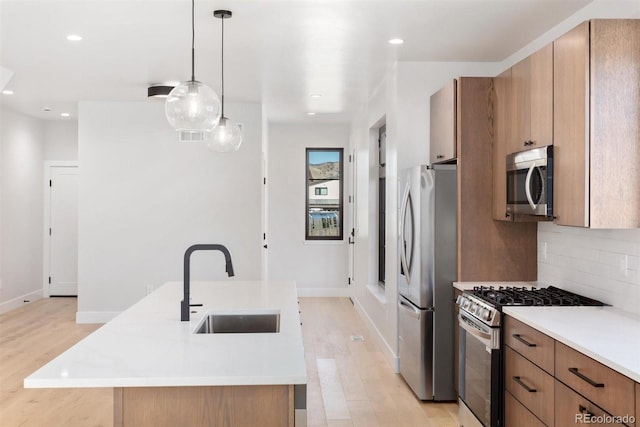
(480, 375)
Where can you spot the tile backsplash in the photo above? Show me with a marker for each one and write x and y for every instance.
(600, 264)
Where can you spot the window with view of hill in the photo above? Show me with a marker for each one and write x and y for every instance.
(324, 194)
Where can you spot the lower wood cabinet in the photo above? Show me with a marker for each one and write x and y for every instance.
(532, 386)
(517, 415)
(573, 409)
(612, 391)
(548, 383)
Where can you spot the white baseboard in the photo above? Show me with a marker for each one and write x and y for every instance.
(95, 316)
(12, 304)
(387, 352)
(325, 292)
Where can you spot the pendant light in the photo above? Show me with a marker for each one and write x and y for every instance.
(227, 136)
(192, 108)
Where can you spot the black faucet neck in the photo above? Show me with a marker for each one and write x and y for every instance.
(184, 304)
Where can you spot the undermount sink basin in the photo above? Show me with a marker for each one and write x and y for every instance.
(239, 323)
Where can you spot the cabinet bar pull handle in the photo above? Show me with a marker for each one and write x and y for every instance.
(526, 387)
(591, 382)
(584, 410)
(440, 156)
(523, 341)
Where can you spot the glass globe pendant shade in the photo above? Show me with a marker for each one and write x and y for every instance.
(192, 109)
(225, 137)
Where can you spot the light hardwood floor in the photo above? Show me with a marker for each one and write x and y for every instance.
(349, 382)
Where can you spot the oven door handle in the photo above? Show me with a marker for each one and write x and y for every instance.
(527, 186)
(485, 337)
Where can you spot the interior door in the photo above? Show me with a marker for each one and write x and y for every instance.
(63, 231)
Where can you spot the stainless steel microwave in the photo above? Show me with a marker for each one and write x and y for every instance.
(530, 182)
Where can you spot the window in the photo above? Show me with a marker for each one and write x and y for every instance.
(324, 194)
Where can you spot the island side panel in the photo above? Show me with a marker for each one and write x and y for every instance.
(265, 405)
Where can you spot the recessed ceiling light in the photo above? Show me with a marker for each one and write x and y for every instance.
(74, 37)
(311, 114)
(396, 41)
(315, 95)
(47, 109)
(7, 92)
(65, 114)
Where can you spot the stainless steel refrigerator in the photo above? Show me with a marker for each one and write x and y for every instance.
(428, 258)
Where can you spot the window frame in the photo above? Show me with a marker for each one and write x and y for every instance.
(308, 237)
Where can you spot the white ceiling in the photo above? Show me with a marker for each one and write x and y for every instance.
(277, 52)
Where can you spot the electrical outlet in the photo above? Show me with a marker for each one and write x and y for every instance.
(544, 251)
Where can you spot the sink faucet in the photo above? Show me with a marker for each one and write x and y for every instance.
(184, 304)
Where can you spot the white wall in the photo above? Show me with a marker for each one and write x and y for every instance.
(319, 268)
(402, 102)
(144, 198)
(61, 140)
(21, 209)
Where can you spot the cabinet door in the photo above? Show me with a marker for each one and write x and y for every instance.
(541, 97)
(570, 119)
(529, 384)
(615, 124)
(608, 389)
(521, 117)
(516, 415)
(502, 135)
(573, 409)
(443, 124)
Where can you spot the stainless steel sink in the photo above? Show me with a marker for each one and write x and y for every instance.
(239, 323)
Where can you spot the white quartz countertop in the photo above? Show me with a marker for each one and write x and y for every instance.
(606, 334)
(148, 345)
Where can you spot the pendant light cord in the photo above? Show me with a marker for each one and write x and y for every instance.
(193, 41)
(222, 71)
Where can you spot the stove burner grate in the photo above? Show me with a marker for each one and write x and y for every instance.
(551, 296)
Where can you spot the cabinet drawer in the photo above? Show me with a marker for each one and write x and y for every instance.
(532, 386)
(573, 409)
(532, 344)
(605, 387)
(516, 415)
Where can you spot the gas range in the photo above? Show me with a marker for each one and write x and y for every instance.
(486, 302)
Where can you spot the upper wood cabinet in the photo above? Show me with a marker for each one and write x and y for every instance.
(503, 134)
(596, 116)
(532, 97)
(487, 249)
(443, 124)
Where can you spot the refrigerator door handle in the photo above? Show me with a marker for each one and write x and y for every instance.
(403, 249)
(409, 309)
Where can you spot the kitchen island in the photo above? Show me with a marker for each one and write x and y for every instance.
(163, 373)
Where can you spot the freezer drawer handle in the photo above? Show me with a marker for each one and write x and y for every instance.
(522, 340)
(414, 312)
(524, 386)
(585, 378)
